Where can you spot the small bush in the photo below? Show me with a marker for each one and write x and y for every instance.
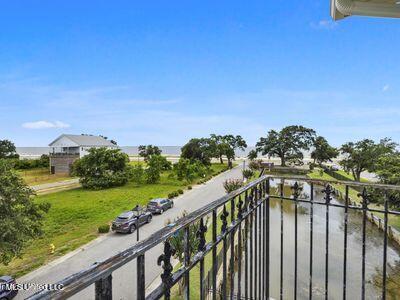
(189, 187)
(248, 173)
(104, 228)
(255, 165)
(231, 185)
(173, 194)
(180, 191)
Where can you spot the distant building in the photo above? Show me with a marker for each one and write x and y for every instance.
(69, 147)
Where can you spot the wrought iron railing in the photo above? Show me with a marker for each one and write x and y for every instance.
(240, 232)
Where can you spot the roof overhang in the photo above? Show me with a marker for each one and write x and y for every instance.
(373, 8)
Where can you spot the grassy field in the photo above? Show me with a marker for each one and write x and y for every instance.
(41, 175)
(350, 176)
(353, 194)
(75, 215)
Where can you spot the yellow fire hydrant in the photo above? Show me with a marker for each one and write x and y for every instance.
(52, 248)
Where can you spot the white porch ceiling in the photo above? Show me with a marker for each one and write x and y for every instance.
(374, 8)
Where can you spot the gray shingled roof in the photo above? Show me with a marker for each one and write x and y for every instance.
(87, 140)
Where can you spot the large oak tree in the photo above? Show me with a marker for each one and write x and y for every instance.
(226, 145)
(323, 152)
(202, 150)
(363, 155)
(287, 144)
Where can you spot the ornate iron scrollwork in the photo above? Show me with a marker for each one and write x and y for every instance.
(296, 188)
(328, 192)
(201, 235)
(165, 260)
(240, 208)
(224, 217)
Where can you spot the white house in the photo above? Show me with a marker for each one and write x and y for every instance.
(373, 8)
(69, 147)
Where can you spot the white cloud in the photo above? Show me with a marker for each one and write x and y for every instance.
(385, 87)
(324, 24)
(45, 125)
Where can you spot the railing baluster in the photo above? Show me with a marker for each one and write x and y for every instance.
(201, 247)
(310, 289)
(232, 258)
(264, 275)
(385, 247)
(103, 288)
(141, 282)
(214, 255)
(224, 225)
(281, 256)
(246, 242)
(296, 193)
(259, 245)
(187, 263)
(328, 198)
(346, 208)
(251, 258)
(255, 242)
(267, 239)
(364, 197)
(239, 249)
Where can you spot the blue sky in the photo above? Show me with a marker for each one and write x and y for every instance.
(162, 72)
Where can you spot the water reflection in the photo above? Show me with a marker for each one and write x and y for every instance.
(374, 251)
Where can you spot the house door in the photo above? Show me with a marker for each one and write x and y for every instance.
(53, 170)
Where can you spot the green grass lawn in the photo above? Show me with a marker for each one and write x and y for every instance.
(40, 176)
(350, 176)
(75, 215)
(353, 194)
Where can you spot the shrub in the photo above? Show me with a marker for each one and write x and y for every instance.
(104, 228)
(137, 173)
(173, 194)
(231, 185)
(27, 164)
(189, 187)
(255, 165)
(247, 173)
(189, 170)
(180, 191)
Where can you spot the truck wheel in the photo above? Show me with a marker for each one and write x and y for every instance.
(161, 211)
(132, 228)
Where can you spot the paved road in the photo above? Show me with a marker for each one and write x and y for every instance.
(55, 185)
(124, 279)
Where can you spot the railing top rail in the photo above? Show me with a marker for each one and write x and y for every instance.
(83, 279)
(342, 182)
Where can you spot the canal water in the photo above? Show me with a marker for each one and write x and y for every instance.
(374, 252)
